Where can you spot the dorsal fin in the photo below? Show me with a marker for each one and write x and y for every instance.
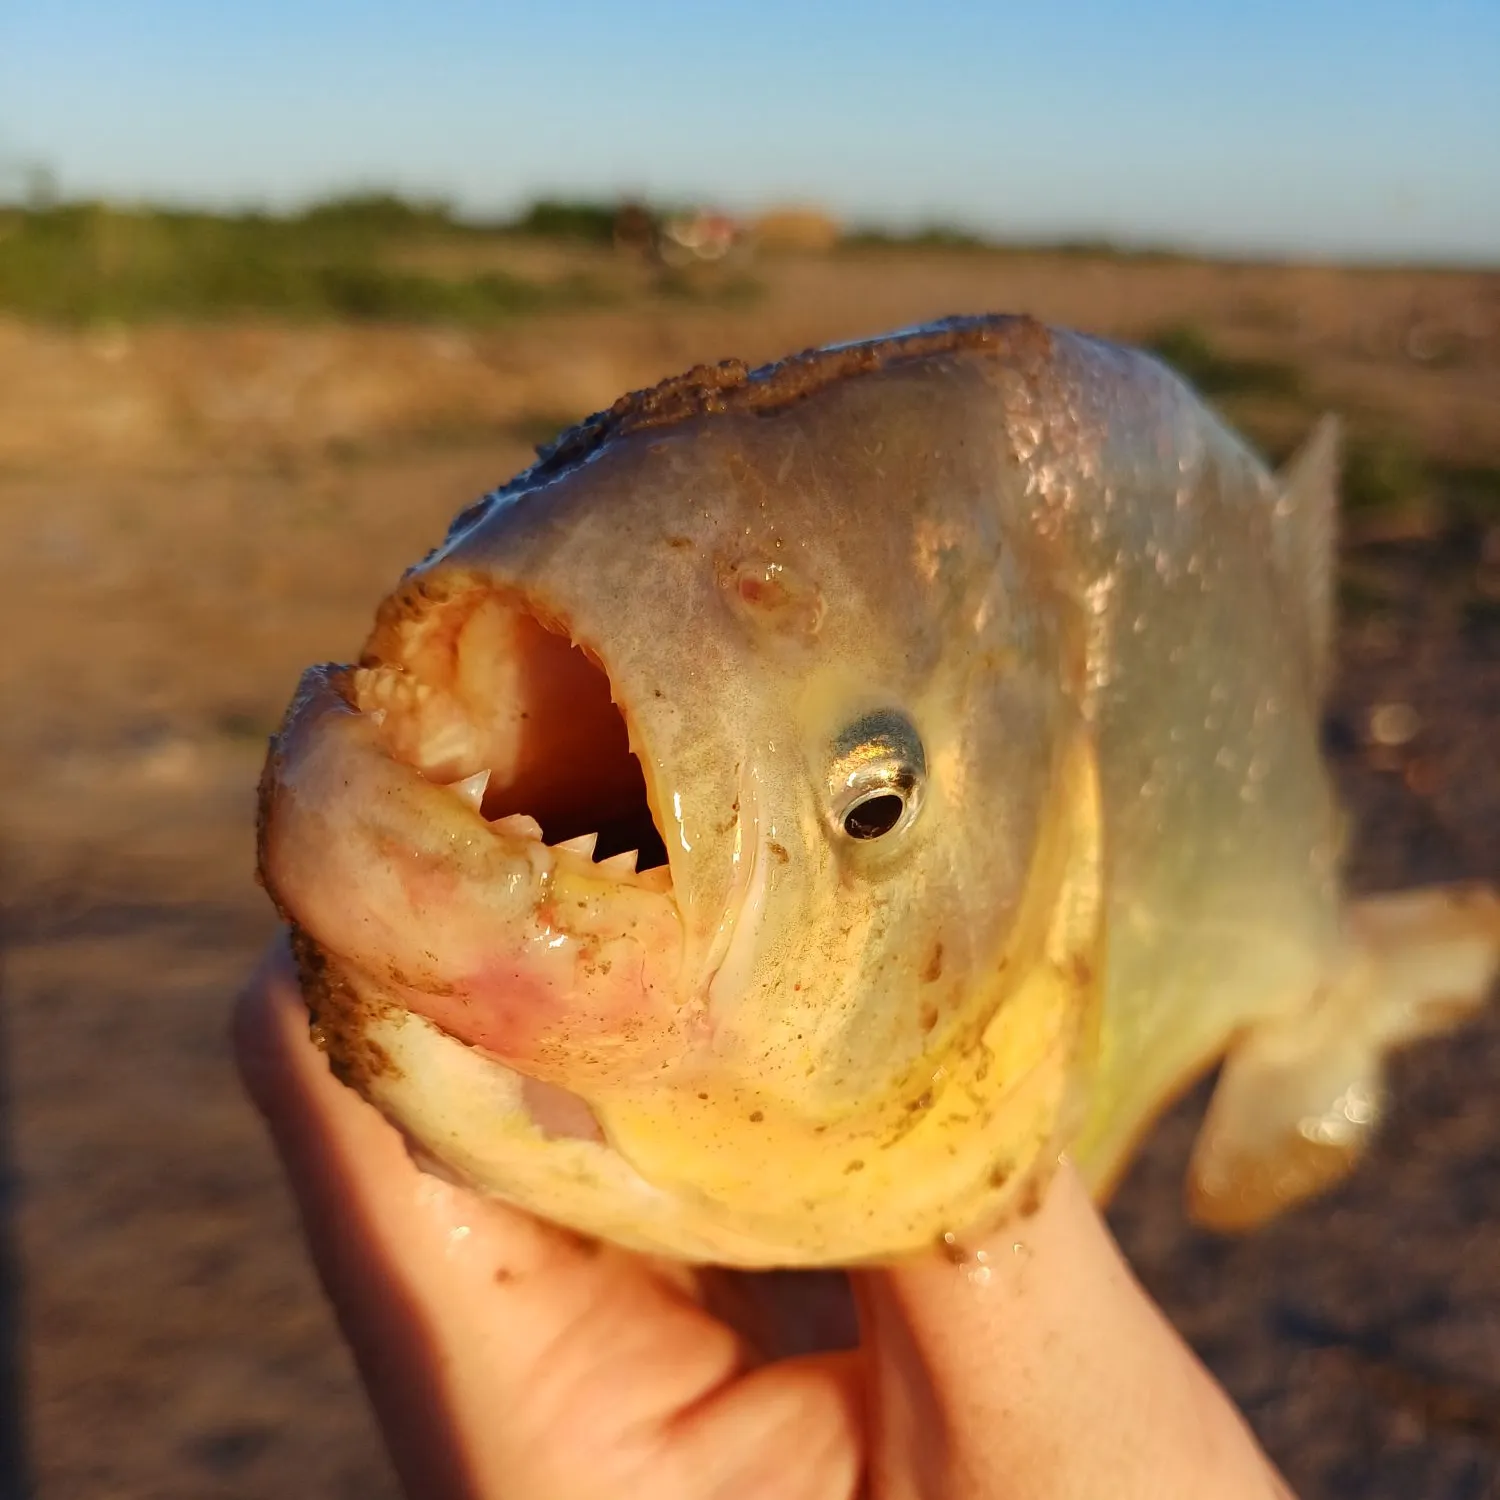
(1307, 534)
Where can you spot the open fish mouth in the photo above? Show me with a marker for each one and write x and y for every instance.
(462, 820)
(486, 692)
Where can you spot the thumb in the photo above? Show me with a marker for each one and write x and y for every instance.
(1033, 1364)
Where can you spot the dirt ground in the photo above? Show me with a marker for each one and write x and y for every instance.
(189, 516)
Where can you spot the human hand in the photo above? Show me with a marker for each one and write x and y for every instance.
(509, 1360)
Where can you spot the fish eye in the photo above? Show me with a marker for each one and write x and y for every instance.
(876, 777)
(874, 815)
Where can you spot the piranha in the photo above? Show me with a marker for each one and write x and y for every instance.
(808, 800)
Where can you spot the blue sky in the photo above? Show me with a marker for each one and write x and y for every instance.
(1328, 128)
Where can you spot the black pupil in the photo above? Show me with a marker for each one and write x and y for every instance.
(875, 816)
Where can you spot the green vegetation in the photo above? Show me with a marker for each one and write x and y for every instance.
(1471, 492)
(954, 238)
(707, 286)
(1366, 589)
(1388, 480)
(337, 260)
(380, 214)
(1190, 352)
(1383, 476)
(926, 237)
(1387, 483)
(592, 223)
(367, 258)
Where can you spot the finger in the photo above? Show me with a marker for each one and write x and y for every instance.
(792, 1430)
(783, 1314)
(495, 1349)
(1035, 1365)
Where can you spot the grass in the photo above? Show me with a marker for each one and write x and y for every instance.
(552, 218)
(925, 237)
(702, 285)
(1386, 479)
(1471, 492)
(84, 263)
(1383, 475)
(1193, 355)
(1365, 592)
(347, 259)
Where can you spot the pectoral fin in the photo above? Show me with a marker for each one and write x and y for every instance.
(1301, 1095)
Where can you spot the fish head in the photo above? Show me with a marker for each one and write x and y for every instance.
(789, 648)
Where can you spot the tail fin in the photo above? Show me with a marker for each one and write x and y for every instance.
(1300, 1095)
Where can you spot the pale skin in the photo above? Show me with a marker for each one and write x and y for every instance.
(507, 1360)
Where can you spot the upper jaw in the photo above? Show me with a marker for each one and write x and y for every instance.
(459, 818)
(466, 676)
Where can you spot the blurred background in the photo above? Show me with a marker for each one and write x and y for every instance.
(283, 286)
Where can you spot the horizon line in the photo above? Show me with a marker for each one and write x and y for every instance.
(904, 232)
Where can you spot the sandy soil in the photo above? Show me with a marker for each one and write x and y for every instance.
(188, 516)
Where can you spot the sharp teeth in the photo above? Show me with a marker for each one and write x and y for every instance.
(518, 826)
(657, 878)
(583, 844)
(471, 788)
(620, 864)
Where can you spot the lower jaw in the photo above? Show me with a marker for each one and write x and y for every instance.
(531, 952)
(696, 1166)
